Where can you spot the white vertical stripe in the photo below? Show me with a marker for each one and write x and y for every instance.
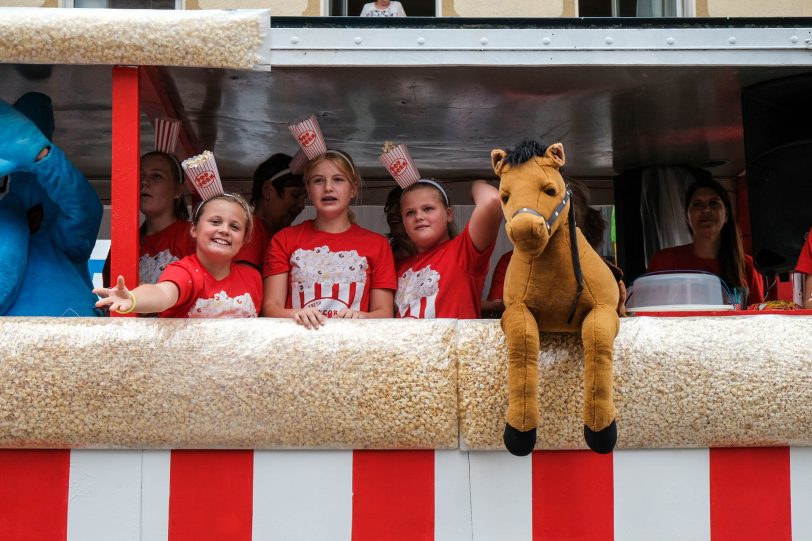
(800, 460)
(359, 294)
(501, 496)
(452, 496)
(100, 249)
(662, 494)
(302, 495)
(344, 294)
(104, 495)
(155, 495)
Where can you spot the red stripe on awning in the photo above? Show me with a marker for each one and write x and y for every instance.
(211, 495)
(573, 496)
(750, 494)
(393, 495)
(34, 494)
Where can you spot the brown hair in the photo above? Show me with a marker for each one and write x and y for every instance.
(180, 211)
(731, 252)
(234, 198)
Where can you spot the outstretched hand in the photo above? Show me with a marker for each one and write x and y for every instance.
(21, 142)
(117, 298)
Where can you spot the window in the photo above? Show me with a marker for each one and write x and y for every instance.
(630, 8)
(413, 8)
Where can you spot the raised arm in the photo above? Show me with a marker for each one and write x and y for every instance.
(484, 224)
(144, 299)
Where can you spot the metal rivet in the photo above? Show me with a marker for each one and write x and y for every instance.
(731, 40)
(794, 39)
(421, 41)
(608, 41)
(546, 41)
(670, 41)
(358, 40)
(484, 41)
(294, 40)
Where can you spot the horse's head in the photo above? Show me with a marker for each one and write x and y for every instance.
(534, 196)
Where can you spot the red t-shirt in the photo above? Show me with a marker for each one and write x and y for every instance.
(498, 279)
(162, 248)
(254, 251)
(330, 271)
(199, 295)
(446, 281)
(804, 264)
(683, 258)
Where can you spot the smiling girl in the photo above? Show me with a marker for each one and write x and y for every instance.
(329, 267)
(446, 276)
(207, 284)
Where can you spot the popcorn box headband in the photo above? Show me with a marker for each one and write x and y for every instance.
(167, 131)
(202, 174)
(311, 141)
(398, 161)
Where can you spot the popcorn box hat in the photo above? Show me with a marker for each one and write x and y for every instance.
(202, 174)
(308, 134)
(167, 131)
(398, 161)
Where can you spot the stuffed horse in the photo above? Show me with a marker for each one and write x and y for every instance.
(555, 282)
(49, 215)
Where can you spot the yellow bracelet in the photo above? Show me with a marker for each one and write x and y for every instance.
(131, 308)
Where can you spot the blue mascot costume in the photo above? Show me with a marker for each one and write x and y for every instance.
(49, 216)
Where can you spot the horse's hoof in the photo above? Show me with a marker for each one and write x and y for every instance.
(602, 441)
(519, 443)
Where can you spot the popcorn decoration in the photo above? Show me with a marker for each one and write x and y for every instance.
(201, 172)
(308, 134)
(167, 131)
(398, 161)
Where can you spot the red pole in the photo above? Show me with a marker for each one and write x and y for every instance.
(125, 176)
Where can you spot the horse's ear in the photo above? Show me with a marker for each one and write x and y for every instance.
(498, 160)
(556, 153)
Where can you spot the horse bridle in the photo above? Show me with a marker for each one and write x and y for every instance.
(576, 260)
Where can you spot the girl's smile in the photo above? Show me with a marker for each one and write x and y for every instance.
(425, 218)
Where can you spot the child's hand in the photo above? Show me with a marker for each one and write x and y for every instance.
(117, 299)
(349, 313)
(309, 318)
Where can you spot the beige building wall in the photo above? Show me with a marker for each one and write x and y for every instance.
(277, 7)
(514, 8)
(29, 3)
(752, 8)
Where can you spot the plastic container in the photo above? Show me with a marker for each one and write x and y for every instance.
(678, 291)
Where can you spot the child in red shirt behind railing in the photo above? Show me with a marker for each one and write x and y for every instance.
(804, 265)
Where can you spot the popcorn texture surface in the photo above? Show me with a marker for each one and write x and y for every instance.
(390, 384)
(218, 39)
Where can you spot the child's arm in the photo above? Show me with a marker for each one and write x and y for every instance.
(276, 296)
(484, 223)
(807, 298)
(144, 299)
(381, 305)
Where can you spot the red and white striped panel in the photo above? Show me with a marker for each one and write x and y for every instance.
(693, 494)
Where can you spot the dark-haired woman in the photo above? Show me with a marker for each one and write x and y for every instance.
(716, 245)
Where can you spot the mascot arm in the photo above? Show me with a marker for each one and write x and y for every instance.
(13, 249)
(80, 214)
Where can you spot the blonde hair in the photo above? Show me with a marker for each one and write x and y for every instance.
(233, 198)
(344, 162)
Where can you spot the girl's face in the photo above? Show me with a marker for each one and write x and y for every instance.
(159, 190)
(706, 212)
(330, 189)
(425, 218)
(220, 229)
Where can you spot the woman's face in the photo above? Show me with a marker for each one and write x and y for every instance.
(329, 189)
(425, 218)
(159, 190)
(706, 213)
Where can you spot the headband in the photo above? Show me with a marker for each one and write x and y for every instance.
(436, 185)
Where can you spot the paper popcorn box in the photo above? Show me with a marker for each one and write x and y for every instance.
(398, 161)
(201, 172)
(167, 131)
(308, 134)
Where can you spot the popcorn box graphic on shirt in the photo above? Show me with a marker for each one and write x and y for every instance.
(308, 134)
(328, 281)
(417, 293)
(167, 131)
(221, 305)
(398, 161)
(201, 172)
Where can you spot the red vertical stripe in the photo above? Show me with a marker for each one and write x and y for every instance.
(124, 185)
(393, 495)
(34, 494)
(211, 495)
(750, 494)
(573, 496)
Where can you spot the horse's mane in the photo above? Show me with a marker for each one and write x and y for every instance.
(524, 151)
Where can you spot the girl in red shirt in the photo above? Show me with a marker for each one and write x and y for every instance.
(804, 265)
(329, 267)
(206, 284)
(445, 277)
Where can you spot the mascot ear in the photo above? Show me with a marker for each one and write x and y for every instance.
(498, 160)
(556, 153)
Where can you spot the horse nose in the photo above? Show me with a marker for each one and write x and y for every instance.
(527, 231)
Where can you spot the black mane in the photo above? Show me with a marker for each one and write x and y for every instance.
(524, 151)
